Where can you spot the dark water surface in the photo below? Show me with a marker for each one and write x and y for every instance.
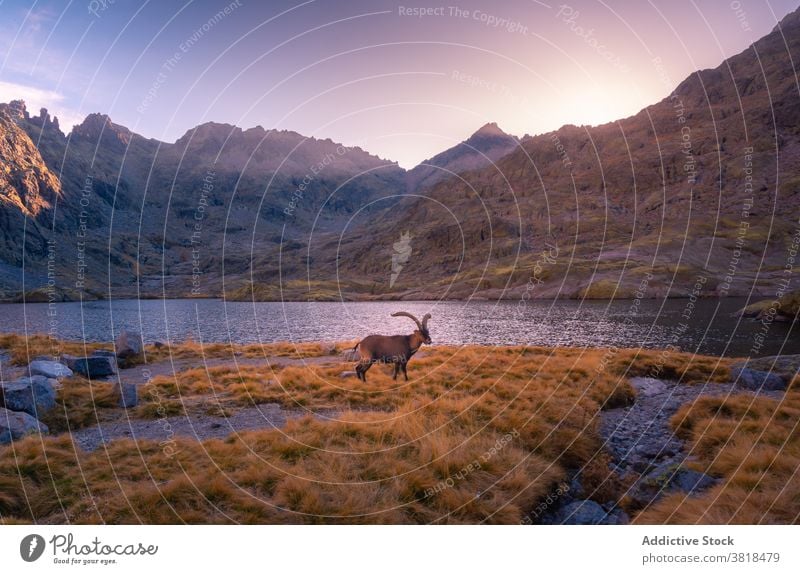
(710, 327)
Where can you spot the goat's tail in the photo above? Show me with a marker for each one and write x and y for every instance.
(352, 354)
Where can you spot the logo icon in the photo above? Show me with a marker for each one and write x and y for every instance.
(31, 548)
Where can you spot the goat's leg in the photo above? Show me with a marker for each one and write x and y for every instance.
(404, 364)
(396, 371)
(365, 365)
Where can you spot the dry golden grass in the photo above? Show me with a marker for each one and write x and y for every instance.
(24, 349)
(753, 445)
(193, 349)
(496, 376)
(665, 364)
(479, 434)
(81, 403)
(362, 471)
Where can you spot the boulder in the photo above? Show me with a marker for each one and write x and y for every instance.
(576, 486)
(757, 380)
(588, 512)
(347, 374)
(617, 516)
(129, 347)
(49, 369)
(128, 396)
(90, 367)
(110, 355)
(784, 309)
(689, 480)
(352, 356)
(785, 366)
(754, 310)
(33, 395)
(667, 478)
(16, 425)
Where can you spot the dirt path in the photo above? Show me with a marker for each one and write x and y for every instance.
(199, 427)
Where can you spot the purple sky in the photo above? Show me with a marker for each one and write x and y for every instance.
(371, 73)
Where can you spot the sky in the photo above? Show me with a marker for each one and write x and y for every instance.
(404, 80)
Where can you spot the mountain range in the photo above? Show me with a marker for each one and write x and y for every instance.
(695, 194)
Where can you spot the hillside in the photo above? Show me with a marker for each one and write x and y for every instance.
(697, 192)
(135, 215)
(699, 189)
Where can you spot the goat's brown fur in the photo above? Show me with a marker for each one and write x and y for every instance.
(394, 349)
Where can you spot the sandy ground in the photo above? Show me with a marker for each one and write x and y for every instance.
(198, 426)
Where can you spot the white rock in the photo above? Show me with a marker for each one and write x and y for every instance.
(49, 369)
(129, 347)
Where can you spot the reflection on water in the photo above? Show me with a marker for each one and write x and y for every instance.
(710, 328)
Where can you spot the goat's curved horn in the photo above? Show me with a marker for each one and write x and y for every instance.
(425, 321)
(410, 316)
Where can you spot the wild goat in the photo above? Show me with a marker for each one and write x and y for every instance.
(395, 349)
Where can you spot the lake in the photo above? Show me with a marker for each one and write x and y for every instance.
(709, 329)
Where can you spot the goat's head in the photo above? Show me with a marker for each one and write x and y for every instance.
(422, 327)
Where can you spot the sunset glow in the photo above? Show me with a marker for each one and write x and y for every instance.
(403, 81)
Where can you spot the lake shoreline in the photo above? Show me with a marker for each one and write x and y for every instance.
(706, 326)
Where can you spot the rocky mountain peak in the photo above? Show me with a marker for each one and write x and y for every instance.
(208, 131)
(15, 109)
(482, 148)
(44, 121)
(490, 129)
(96, 126)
